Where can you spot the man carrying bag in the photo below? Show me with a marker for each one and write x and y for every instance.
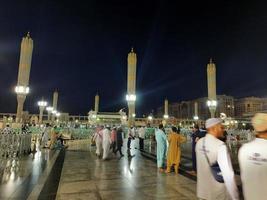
(215, 178)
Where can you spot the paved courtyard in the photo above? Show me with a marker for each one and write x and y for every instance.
(84, 176)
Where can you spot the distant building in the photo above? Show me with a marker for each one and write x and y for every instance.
(185, 109)
(248, 106)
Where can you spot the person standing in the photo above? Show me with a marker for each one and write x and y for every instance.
(161, 147)
(195, 136)
(130, 137)
(141, 133)
(98, 137)
(174, 151)
(211, 151)
(253, 161)
(45, 136)
(106, 142)
(113, 139)
(119, 139)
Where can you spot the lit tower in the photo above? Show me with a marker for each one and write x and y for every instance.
(22, 88)
(211, 76)
(55, 99)
(166, 109)
(131, 96)
(96, 103)
(195, 117)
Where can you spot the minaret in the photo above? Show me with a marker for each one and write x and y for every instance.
(22, 88)
(211, 76)
(55, 100)
(131, 86)
(96, 103)
(196, 109)
(166, 109)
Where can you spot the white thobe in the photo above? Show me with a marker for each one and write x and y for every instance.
(141, 132)
(207, 187)
(253, 168)
(98, 142)
(106, 143)
(45, 137)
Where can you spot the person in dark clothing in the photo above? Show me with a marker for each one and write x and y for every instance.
(224, 137)
(119, 139)
(196, 135)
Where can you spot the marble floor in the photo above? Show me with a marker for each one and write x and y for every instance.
(76, 173)
(84, 176)
(20, 176)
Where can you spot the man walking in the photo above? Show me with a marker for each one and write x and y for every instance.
(210, 152)
(253, 161)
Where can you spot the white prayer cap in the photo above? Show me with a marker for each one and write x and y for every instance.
(212, 122)
(259, 122)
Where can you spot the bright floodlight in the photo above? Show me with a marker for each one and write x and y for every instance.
(54, 112)
(150, 118)
(133, 115)
(22, 90)
(94, 116)
(49, 108)
(124, 117)
(166, 116)
(42, 103)
(212, 103)
(130, 97)
(58, 114)
(196, 117)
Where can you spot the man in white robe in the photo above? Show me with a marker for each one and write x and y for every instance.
(253, 161)
(45, 136)
(106, 142)
(212, 149)
(98, 140)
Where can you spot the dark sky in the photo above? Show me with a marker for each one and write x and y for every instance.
(81, 47)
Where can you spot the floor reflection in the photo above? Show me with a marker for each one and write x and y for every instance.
(18, 175)
(128, 177)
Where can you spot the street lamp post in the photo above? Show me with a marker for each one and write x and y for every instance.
(42, 104)
(212, 104)
(22, 88)
(49, 110)
(21, 92)
(131, 98)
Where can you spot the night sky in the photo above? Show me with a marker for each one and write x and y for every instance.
(81, 47)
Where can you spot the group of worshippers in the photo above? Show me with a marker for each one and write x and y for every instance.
(170, 147)
(52, 138)
(136, 133)
(107, 139)
(215, 174)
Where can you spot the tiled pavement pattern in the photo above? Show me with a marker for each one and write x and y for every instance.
(84, 176)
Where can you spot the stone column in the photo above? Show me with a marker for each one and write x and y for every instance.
(196, 108)
(166, 107)
(131, 86)
(22, 88)
(212, 98)
(41, 114)
(96, 103)
(55, 100)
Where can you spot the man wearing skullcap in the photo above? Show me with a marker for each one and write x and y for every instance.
(253, 161)
(211, 151)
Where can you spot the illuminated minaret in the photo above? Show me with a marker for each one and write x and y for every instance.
(96, 103)
(131, 86)
(22, 88)
(166, 109)
(212, 98)
(55, 100)
(195, 117)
